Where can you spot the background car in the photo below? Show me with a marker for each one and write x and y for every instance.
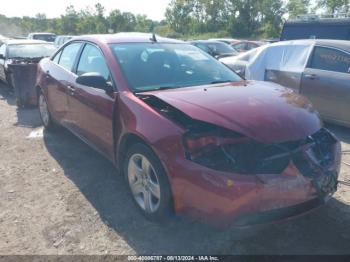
(17, 51)
(216, 49)
(318, 69)
(244, 46)
(189, 135)
(228, 41)
(18, 66)
(3, 39)
(48, 37)
(62, 39)
(239, 63)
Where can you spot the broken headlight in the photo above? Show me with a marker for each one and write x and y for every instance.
(229, 151)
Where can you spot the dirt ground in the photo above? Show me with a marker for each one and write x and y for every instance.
(58, 196)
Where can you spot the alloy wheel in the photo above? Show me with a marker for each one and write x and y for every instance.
(44, 113)
(144, 183)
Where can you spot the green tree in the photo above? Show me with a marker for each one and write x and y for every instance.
(335, 6)
(100, 21)
(270, 17)
(179, 15)
(68, 22)
(297, 7)
(121, 22)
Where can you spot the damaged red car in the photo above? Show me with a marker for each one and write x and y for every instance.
(189, 135)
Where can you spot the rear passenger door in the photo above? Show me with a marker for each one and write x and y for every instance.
(326, 82)
(59, 82)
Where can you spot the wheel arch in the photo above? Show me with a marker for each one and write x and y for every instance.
(126, 142)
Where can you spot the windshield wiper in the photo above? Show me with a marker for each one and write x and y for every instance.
(221, 82)
(157, 89)
(166, 87)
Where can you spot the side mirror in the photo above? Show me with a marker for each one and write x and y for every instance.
(94, 80)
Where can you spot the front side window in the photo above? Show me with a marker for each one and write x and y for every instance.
(92, 60)
(152, 66)
(57, 57)
(69, 55)
(330, 60)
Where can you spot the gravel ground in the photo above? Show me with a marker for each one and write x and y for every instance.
(58, 196)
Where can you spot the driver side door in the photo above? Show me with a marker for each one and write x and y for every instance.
(92, 108)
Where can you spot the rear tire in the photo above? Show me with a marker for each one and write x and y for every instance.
(45, 115)
(148, 183)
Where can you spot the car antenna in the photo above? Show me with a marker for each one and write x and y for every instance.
(154, 38)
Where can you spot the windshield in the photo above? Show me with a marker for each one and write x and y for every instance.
(30, 50)
(47, 38)
(154, 66)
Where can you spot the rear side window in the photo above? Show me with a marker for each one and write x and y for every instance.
(69, 55)
(330, 60)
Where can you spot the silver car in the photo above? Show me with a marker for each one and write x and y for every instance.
(318, 69)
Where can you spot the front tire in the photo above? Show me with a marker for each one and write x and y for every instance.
(148, 183)
(45, 115)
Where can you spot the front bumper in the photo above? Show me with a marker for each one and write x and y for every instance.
(278, 214)
(225, 199)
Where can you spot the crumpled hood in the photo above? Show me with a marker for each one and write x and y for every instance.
(263, 111)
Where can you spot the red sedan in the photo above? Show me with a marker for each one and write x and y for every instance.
(189, 135)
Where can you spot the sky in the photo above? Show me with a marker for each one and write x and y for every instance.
(154, 9)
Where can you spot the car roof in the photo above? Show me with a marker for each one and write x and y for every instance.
(25, 41)
(125, 38)
(208, 42)
(341, 44)
(323, 21)
(41, 33)
(224, 39)
(65, 36)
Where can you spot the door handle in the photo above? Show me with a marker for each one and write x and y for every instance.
(311, 76)
(71, 90)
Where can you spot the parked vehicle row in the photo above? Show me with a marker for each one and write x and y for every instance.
(190, 136)
(62, 39)
(48, 37)
(318, 69)
(221, 47)
(216, 49)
